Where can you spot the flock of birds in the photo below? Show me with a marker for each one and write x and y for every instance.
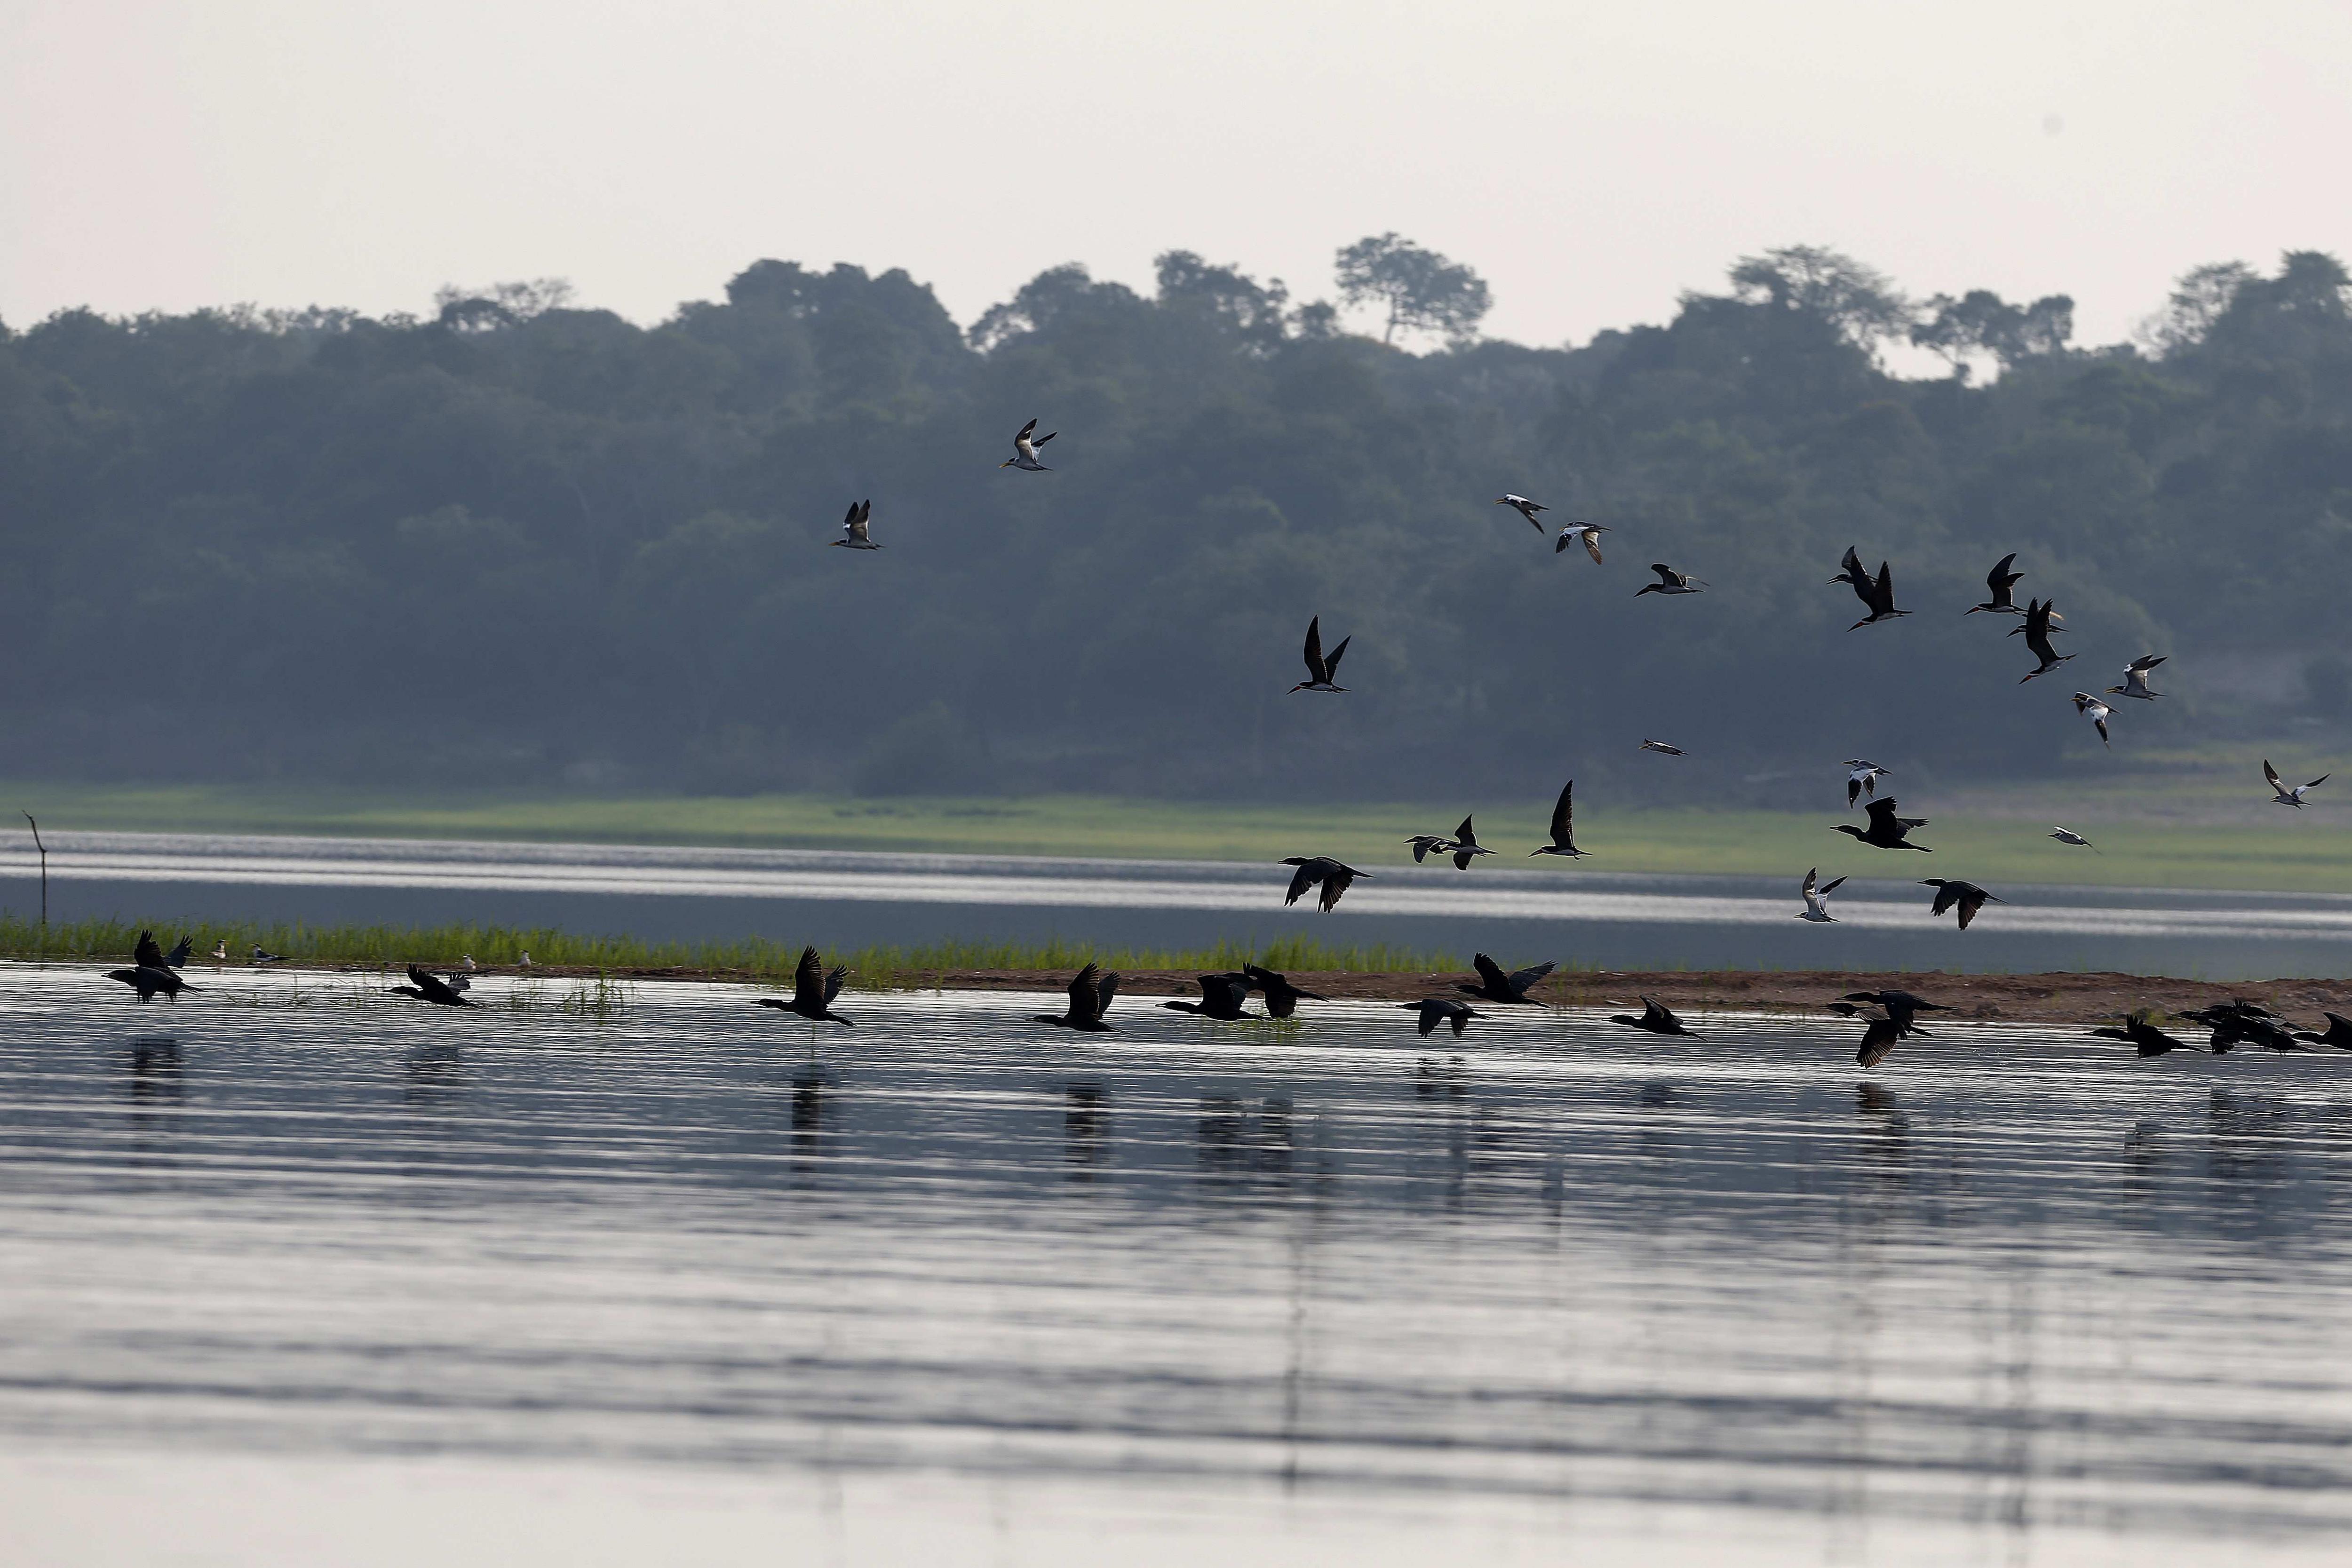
(1888, 1015)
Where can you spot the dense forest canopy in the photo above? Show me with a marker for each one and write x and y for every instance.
(523, 544)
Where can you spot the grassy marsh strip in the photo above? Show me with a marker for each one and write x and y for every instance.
(761, 958)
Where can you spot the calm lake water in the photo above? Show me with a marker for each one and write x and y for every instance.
(359, 1281)
(1610, 919)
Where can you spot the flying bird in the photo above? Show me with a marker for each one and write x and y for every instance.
(1586, 533)
(1425, 845)
(1321, 672)
(2283, 795)
(2068, 836)
(1900, 1005)
(1851, 573)
(1657, 1019)
(1877, 597)
(2245, 1024)
(1861, 779)
(1880, 1033)
(2150, 1040)
(853, 528)
(1222, 996)
(2001, 580)
(1670, 582)
(1886, 830)
(813, 991)
(2136, 677)
(1527, 509)
(149, 979)
(428, 986)
(1817, 898)
(2097, 712)
(1090, 996)
(1434, 1010)
(1319, 871)
(2338, 1034)
(1660, 747)
(1511, 989)
(1281, 996)
(1024, 449)
(1950, 890)
(1563, 826)
(2036, 631)
(1465, 847)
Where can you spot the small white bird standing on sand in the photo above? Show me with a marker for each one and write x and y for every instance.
(524, 961)
(1817, 899)
(220, 950)
(1585, 533)
(1863, 778)
(2097, 712)
(2283, 795)
(469, 961)
(2136, 677)
(2068, 836)
(1660, 746)
(853, 528)
(261, 957)
(1525, 508)
(1025, 450)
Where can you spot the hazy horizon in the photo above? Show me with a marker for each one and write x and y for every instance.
(1591, 167)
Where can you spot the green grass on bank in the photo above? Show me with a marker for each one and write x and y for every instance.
(444, 946)
(2148, 834)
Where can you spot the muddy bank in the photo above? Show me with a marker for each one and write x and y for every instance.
(2058, 998)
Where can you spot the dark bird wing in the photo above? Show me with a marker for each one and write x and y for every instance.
(833, 983)
(1947, 895)
(1877, 1040)
(808, 980)
(1491, 972)
(432, 988)
(1335, 881)
(1316, 670)
(1881, 813)
(1331, 665)
(2001, 579)
(1025, 429)
(2270, 774)
(1666, 573)
(1826, 889)
(146, 955)
(1563, 814)
(1462, 835)
(1300, 880)
(1971, 902)
(1085, 995)
(1429, 1016)
(180, 951)
(1104, 992)
(1523, 978)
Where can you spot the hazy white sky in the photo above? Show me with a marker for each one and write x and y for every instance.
(1592, 161)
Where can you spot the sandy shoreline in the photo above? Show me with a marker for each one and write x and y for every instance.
(2054, 998)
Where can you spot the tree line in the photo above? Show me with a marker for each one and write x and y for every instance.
(521, 542)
